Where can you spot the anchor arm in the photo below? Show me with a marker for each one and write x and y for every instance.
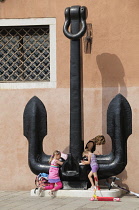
(119, 128)
(35, 129)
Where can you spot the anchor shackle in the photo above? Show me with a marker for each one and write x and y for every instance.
(75, 14)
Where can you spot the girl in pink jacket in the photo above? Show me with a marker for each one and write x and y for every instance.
(54, 178)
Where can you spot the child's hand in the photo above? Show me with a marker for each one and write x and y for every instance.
(59, 162)
(83, 162)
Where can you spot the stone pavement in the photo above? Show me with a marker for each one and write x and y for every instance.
(22, 201)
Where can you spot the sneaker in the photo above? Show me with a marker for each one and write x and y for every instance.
(39, 191)
(52, 194)
(92, 188)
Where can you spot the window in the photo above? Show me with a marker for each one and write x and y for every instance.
(27, 53)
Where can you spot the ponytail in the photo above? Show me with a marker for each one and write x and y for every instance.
(56, 152)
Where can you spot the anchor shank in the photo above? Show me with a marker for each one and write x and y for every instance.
(76, 143)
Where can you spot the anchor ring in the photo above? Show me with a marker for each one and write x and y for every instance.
(72, 13)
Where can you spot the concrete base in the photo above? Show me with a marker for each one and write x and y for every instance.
(80, 193)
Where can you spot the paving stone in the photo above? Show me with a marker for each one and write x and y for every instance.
(22, 200)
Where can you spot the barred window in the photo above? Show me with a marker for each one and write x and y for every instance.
(28, 53)
(24, 53)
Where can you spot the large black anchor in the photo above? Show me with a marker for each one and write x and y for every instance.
(119, 120)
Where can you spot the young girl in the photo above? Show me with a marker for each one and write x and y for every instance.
(91, 144)
(54, 179)
(94, 168)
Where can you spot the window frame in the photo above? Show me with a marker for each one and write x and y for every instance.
(52, 30)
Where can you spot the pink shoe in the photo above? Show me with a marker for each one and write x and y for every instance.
(116, 199)
(92, 199)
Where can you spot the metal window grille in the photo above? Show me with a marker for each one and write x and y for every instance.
(24, 53)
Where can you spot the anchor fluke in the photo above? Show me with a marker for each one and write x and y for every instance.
(35, 129)
(119, 128)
